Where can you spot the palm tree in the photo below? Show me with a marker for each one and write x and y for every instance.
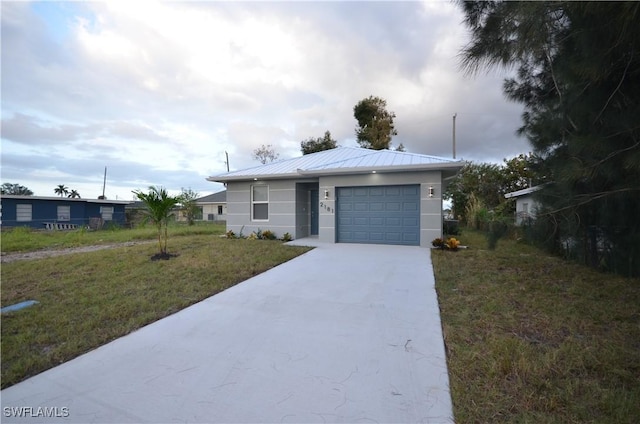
(61, 190)
(158, 205)
(73, 194)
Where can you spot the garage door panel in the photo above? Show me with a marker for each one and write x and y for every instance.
(410, 206)
(393, 206)
(347, 207)
(361, 221)
(376, 221)
(379, 214)
(376, 206)
(393, 221)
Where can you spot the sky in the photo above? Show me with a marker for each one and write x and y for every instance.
(157, 92)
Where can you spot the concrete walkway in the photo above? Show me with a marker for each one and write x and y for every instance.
(343, 333)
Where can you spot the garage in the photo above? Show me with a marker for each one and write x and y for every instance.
(379, 214)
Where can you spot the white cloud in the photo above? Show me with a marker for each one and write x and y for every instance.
(159, 91)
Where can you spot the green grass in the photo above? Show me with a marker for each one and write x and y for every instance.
(88, 299)
(531, 338)
(24, 239)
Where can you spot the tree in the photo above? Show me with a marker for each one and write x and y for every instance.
(475, 183)
(265, 154)
(375, 124)
(313, 145)
(158, 205)
(578, 77)
(187, 200)
(485, 184)
(15, 189)
(62, 190)
(73, 194)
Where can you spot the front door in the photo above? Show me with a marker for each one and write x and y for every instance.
(314, 209)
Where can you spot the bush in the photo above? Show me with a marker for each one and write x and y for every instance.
(438, 242)
(496, 228)
(268, 235)
(286, 237)
(451, 227)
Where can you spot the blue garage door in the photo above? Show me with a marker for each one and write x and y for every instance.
(379, 215)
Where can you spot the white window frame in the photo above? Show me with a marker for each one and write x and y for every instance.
(64, 212)
(24, 212)
(259, 202)
(106, 213)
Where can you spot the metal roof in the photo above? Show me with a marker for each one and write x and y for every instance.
(219, 197)
(524, 191)
(342, 160)
(65, 199)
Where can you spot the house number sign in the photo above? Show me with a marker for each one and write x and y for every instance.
(326, 207)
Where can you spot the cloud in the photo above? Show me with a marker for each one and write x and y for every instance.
(158, 91)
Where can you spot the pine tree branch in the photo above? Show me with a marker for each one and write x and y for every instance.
(616, 153)
(590, 198)
(624, 74)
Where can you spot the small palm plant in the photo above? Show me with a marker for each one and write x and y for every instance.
(158, 205)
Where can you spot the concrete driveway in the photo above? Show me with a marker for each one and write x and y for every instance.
(343, 333)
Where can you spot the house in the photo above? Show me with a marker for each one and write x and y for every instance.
(526, 205)
(342, 195)
(210, 208)
(213, 206)
(60, 212)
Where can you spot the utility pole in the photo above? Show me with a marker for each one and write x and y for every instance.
(104, 183)
(454, 135)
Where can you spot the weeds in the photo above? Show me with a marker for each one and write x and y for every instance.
(532, 338)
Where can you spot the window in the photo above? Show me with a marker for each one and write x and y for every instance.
(211, 217)
(525, 208)
(64, 213)
(23, 213)
(260, 203)
(106, 212)
(219, 209)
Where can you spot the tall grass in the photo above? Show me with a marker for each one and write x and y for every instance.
(531, 338)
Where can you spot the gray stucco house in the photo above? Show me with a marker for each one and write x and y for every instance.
(343, 195)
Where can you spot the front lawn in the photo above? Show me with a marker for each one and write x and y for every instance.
(25, 239)
(88, 299)
(531, 338)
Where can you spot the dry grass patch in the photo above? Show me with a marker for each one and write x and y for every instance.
(86, 300)
(534, 339)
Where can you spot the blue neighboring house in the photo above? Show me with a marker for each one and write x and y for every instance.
(59, 212)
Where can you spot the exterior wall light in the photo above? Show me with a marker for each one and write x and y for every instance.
(430, 191)
(326, 194)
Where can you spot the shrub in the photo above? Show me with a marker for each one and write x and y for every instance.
(452, 244)
(268, 235)
(438, 242)
(231, 235)
(451, 227)
(286, 237)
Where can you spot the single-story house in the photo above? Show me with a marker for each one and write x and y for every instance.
(214, 206)
(342, 195)
(59, 212)
(526, 205)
